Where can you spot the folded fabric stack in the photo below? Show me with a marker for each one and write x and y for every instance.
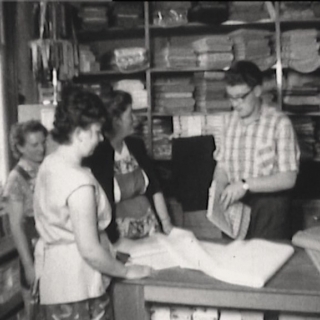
(87, 60)
(297, 10)
(254, 45)
(128, 14)
(173, 95)
(247, 11)
(170, 13)
(137, 91)
(176, 56)
(210, 92)
(309, 239)
(94, 17)
(304, 127)
(241, 315)
(161, 133)
(183, 313)
(214, 52)
(198, 125)
(299, 50)
(302, 92)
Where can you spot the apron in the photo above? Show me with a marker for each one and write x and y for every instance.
(135, 217)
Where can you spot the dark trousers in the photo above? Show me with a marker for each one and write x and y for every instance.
(270, 215)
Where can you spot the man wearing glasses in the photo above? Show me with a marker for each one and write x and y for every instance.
(258, 156)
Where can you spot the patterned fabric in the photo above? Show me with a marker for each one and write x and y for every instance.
(18, 189)
(92, 309)
(135, 217)
(64, 275)
(264, 147)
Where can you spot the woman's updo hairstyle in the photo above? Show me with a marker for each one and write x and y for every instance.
(116, 103)
(78, 108)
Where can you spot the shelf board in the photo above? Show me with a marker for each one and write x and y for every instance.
(6, 246)
(199, 25)
(14, 303)
(109, 33)
(109, 72)
(174, 70)
(315, 114)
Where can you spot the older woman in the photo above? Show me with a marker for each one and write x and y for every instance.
(27, 141)
(122, 167)
(74, 258)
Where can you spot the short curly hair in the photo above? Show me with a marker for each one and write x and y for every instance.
(78, 108)
(19, 132)
(244, 72)
(116, 103)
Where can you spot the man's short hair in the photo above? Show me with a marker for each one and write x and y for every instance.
(244, 72)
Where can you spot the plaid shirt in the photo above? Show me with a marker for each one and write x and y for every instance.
(264, 147)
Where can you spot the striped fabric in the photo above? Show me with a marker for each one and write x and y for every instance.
(262, 148)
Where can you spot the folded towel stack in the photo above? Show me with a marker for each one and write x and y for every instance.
(248, 11)
(299, 50)
(210, 92)
(254, 45)
(174, 95)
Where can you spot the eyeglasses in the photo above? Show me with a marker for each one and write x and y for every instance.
(240, 98)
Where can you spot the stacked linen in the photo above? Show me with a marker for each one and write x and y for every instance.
(297, 10)
(94, 17)
(214, 52)
(175, 56)
(128, 14)
(137, 91)
(254, 45)
(198, 125)
(160, 312)
(309, 239)
(304, 127)
(173, 95)
(302, 92)
(161, 143)
(248, 11)
(300, 50)
(210, 90)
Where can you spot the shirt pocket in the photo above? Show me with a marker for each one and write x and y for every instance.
(265, 159)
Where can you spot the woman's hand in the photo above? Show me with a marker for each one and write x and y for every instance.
(136, 272)
(166, 225)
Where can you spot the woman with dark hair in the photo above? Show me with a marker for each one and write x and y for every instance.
(27, 142)
(74, 258)
(121, 165)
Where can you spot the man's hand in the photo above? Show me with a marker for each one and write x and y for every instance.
(232, 193)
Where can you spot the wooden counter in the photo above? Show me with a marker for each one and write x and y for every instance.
(295, 288)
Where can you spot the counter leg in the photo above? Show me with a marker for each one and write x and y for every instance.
(128, 302)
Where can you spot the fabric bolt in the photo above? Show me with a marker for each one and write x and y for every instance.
(64, 275)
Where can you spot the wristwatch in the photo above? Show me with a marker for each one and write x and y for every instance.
(245, 185)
